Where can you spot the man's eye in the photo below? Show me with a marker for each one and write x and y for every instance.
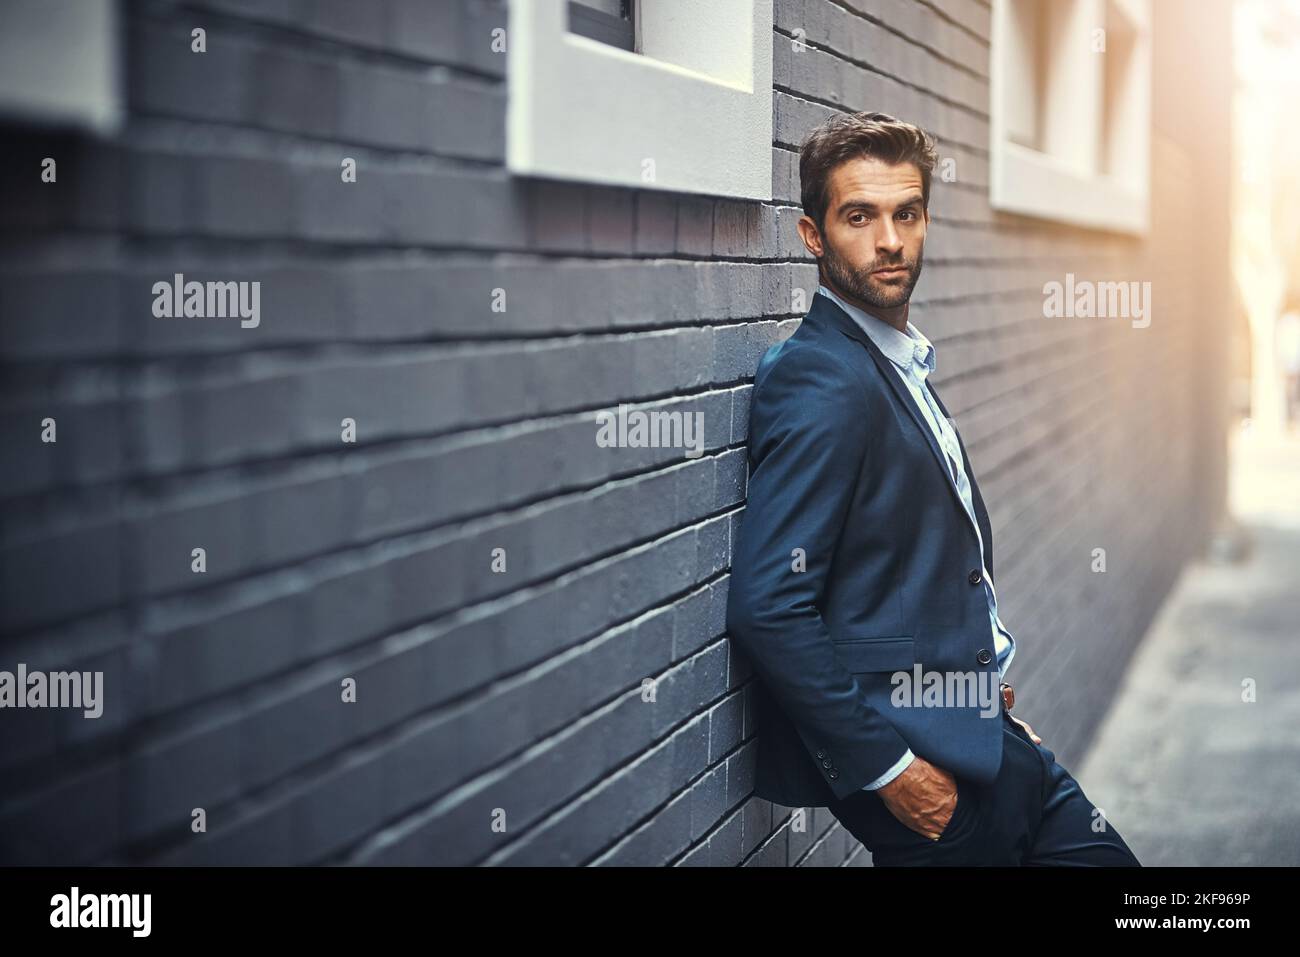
(907, 213)
(858, 218)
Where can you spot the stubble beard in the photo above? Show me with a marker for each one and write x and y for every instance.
(861, 285)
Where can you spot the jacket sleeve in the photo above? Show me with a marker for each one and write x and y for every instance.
(808, 440)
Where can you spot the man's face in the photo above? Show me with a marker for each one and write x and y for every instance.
(874, 220)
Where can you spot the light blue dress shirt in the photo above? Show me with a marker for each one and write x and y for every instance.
(912, 356)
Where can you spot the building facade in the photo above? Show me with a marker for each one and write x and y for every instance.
(335, 524)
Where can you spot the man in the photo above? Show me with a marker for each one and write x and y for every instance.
(865, 556)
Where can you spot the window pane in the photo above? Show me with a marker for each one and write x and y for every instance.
(609, 21)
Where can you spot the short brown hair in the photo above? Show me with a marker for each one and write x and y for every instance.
(847, 136)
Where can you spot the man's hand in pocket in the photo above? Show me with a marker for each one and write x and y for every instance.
(923, 797)
(1036, 739)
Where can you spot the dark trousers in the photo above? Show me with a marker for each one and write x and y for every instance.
(1034, 814)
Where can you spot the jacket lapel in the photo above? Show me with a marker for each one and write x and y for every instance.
(845, 323)
(981, 513)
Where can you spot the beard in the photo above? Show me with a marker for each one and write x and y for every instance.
(860, 284)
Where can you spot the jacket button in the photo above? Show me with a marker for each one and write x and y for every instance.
(974, 577)
(826, 763)
(983, 656)
(820, 755)
(832, 774)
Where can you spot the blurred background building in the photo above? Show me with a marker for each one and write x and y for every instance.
(477, 224)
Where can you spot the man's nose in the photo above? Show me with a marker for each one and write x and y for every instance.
(888, 241)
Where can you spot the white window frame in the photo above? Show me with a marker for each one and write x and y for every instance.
(60, 63)
(1066, 183)
(691, 112)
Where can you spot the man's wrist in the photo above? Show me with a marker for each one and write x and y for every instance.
(901, 765)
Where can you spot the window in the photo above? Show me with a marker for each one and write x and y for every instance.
(658, 94)
(59, 63)
(609, 21)
(1070, 111)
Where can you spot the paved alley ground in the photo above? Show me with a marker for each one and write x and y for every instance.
(1189, 772)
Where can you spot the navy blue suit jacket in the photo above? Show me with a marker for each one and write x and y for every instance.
(844, 471)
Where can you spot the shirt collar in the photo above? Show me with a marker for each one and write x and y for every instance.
(911, 351)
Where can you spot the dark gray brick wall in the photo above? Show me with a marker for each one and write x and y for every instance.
(520, 691)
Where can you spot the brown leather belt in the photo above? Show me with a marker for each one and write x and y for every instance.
(1008, 696)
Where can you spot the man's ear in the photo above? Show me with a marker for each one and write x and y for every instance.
(811, 237)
